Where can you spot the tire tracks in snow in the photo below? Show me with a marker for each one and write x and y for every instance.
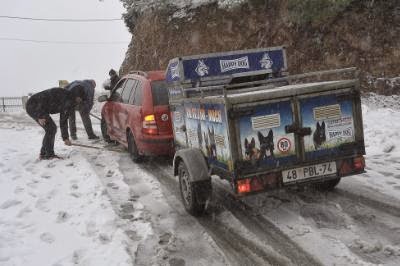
(374, 224)
(263, 228)
(257, 222)
(391, 209)
(228, 239)
(372, 221)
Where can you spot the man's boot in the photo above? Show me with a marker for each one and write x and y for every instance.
(94, 137)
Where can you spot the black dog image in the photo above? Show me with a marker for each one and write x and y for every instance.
(213, 146)
(250, 150)
(199, 136)
(207, 144)
(319, 136)
(266, 144)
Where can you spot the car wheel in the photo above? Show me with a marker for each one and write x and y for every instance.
(104, 133)
(328, 185)
(132, 149)
(190, 191)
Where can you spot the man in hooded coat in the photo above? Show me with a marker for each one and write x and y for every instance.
(53, 101)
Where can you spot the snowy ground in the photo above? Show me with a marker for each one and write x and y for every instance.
(96, 207)
(54, 212)
(81, 211)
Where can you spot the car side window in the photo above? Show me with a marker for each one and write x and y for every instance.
(128, 88)
(138, 94)
(116, 94)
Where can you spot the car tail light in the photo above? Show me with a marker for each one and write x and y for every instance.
(359, 163)
(243, 186)
(353, 165)
(150, 125)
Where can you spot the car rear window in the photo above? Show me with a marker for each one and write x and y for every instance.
(160, 92)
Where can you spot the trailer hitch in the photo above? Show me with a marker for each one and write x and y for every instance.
(301, 131)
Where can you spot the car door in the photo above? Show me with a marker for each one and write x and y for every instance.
(264, 138)
(109, 115)
(331, 117)
(136, 114)
(125, 109)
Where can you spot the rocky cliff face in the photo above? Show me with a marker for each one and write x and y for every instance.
(318, 34)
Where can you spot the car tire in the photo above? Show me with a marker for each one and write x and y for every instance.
(103, 126)
(132, 149)
(191, 190)
(328, 185)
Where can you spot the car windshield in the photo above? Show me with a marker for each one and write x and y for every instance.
(160, 92)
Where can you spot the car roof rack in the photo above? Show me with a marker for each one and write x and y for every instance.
(138, 72)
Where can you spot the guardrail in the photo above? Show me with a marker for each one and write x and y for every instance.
(16, 104)
(12, 104)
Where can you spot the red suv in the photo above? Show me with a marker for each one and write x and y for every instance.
(137, 115)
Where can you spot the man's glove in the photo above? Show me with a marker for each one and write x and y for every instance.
(67, 142)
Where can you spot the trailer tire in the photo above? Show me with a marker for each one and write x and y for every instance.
(328, 185)
(132, 149)
(103, 126)
(193, 193)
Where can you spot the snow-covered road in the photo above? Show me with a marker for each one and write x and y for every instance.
(98, 208)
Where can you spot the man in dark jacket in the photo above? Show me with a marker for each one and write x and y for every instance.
(84, 108)
(53, 101)
(114, 78)
(112, 81)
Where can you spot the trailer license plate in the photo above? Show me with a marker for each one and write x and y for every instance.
(310, 171)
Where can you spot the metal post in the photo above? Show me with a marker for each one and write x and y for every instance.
(24, 99)
(4, 106)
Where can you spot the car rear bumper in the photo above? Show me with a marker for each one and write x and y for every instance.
(157, 145)
(259, 181)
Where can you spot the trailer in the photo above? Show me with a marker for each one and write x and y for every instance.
(240, 115)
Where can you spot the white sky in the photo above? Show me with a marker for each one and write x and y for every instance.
(33, 67)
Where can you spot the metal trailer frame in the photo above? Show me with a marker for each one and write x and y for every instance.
(235, 105)
(237, 98)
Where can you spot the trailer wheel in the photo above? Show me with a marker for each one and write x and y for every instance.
(132, 149)
(103, 126)
(328, 185)
(191, 192)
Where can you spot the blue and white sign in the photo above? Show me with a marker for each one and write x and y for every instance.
(201, 69)
(240, 63)
(266, 61)
(190, 69)
(173, 70)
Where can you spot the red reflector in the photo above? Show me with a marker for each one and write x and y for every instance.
(359, 163)
(150, 131)
(244, 185)
(256, 184)
(345, 168)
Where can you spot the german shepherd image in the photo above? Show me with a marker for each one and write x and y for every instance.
(199, 136)
(213, 146)
(266, 144)
(319, 136)
(207, 144)
(251, 153)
